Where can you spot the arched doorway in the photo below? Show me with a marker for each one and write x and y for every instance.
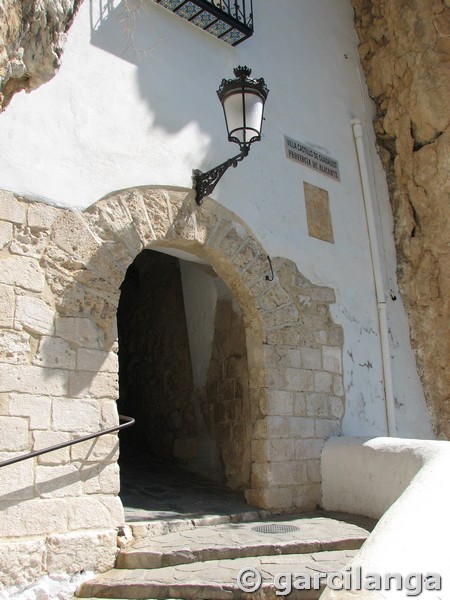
(183, 371)
(294, 348)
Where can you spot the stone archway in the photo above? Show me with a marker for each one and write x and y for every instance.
(183, 371)
(293, 346)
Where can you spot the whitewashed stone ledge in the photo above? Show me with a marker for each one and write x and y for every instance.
(406, 484)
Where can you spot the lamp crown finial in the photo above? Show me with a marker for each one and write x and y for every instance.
(242, 71)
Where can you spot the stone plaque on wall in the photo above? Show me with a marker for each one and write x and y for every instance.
(318, 213)
(310, 157)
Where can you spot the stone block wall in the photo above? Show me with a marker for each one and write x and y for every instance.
(303, 402)
(226, 404)
(60, 278)
(56, 382)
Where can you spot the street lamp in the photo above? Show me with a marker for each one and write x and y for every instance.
(243, 102)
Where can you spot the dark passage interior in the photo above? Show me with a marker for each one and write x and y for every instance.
(155, 375)
(183, 373)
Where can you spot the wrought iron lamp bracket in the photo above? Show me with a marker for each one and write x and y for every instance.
(204, 183)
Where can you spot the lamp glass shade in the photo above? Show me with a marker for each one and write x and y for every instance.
(243, 101)
(243, 115)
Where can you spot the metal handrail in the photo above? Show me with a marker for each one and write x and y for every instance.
(124, 422)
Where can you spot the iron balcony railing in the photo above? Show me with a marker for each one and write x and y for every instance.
(123, 423)
(229, 20)
(239, 10)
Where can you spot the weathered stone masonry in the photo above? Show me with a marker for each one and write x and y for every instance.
(43, 403)
(405, 52)
(32, 38)
(60, 273)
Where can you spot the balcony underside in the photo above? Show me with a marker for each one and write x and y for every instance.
(229, 20)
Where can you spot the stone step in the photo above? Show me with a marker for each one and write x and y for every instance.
(280, 536)
(155, 527)
(216, 579)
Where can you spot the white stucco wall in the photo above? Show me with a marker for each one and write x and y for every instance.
(405, 484)
(200, 299)
(201, 291)
(114, 118)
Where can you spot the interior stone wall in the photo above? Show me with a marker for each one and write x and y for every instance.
(155, 374)
(226, 406)
(32, 39)
(405, 52)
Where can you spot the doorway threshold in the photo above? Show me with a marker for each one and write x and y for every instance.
(154, 490)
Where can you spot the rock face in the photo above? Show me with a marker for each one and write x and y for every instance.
(405, 52)
(32, 38)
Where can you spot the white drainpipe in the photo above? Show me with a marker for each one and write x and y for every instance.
(378, 277)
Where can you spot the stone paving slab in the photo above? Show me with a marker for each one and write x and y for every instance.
(154, 490)
(235, 540)
(214, 580)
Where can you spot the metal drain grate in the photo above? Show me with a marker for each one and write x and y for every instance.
(275, 528)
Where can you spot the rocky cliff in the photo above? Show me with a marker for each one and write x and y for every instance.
(32, 37)
(405, 52)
